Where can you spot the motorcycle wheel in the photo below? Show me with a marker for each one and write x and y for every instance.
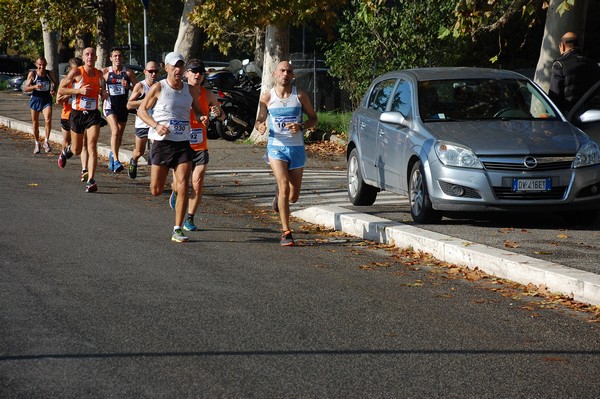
(229, 132)
(211, 132)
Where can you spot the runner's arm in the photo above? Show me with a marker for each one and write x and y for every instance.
(261, 118)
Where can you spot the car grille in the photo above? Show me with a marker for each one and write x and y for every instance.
(518, 164)
(555, 193)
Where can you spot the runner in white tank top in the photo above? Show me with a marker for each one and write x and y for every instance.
(169, 124)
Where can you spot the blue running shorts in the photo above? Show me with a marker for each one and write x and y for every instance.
(295, 156)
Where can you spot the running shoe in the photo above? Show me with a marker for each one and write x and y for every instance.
(286, 239)
(173, 199)
(132, 170)
(178, 236)
(91, 186)
(68, 152)
(84, 175)
(276, 202)
(47, 147)
(118, 167)
(189, 225)
(36, 149)
(111, 162)
(62, 160)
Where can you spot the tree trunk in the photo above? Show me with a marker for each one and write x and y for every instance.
(188, 38)
(556, 26)
(277, 49)
(259, 48)
(82, 41)
(105, 25)
(50, 47)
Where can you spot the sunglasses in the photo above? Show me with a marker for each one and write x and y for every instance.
(151, 70)
(196, 70)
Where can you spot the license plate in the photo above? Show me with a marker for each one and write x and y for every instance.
(531, 184)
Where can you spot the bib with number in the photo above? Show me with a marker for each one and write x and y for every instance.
(179, 127)
(88, 103)
(196, 136)
(116, 89)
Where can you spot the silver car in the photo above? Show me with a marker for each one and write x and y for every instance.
(470, 139)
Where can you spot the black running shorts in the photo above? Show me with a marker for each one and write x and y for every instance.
(171, 153)
(82, 120)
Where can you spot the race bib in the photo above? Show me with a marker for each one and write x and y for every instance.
(45, 85)
(196, 136)
(179, 127)
(88, 103)
(281, 121)
(116, 89)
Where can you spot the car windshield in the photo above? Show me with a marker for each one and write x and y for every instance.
(476, 99)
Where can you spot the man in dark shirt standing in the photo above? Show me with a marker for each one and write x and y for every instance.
(572, 74)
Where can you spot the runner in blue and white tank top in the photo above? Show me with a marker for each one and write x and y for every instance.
(141, 128)
(169, 123)
(284, 106)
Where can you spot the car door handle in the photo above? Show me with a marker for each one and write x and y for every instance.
(363, 125)
(381, 132)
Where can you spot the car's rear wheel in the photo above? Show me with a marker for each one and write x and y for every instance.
(420, 204)
(359, 192)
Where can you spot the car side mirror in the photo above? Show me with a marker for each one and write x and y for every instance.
(393, 117)
(591, 115)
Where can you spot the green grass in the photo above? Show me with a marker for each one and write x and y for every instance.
(3, 85)
(337, 122)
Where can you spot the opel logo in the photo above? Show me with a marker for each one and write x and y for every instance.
(530, 162)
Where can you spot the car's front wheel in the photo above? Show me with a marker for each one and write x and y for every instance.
(359, 192)
(420, 204)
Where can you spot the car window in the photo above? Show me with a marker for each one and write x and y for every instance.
(592, 102)
(381, 94)
(402, 101)
(466, 99)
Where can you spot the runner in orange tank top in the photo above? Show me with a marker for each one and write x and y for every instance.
(85, 84)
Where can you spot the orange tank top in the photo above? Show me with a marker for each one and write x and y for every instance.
(199, 141)
(66, 109)
(89, 102)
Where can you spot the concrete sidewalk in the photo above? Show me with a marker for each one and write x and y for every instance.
(581, 285)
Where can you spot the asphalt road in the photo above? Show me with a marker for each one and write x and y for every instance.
(96, 301)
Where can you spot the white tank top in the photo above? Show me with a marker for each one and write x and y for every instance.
(172, 109)
(282, 111)
(139, 123)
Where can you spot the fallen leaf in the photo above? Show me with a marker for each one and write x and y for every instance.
(562, 236)
(511, 244)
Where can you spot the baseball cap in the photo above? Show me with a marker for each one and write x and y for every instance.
(195, 64)
(173, 57)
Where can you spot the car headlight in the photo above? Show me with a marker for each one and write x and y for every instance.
(456, 155)
(587, 155)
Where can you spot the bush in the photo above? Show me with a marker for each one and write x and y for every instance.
(334, 122)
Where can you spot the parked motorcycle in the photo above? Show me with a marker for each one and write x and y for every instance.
(238, 92)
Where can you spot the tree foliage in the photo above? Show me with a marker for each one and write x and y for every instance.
(227, 23)
(377, 36)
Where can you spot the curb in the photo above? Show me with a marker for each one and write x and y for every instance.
(57, 137)
(581, 285)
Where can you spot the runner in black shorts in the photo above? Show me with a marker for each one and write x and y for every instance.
(86, 85)
(119, 80)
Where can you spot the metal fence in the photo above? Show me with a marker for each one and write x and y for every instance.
(323, 89)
